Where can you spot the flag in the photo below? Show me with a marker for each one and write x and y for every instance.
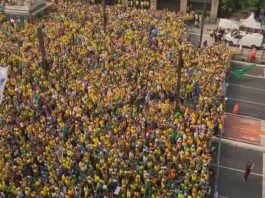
(197, 90)
(59, 17)
(18, 26)
(240, 72)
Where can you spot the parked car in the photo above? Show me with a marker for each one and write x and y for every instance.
(252, 40)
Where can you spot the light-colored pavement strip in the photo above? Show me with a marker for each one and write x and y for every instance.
(220, 196)
(247, 101)
(243, 116)
(247, 87)
(245, 146)
(204, 35)
(253, 76)
(238, 170)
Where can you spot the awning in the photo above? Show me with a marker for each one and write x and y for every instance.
(250, 22)
(228, 24)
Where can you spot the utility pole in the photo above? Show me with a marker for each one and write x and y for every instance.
(202, 25)
(41, 45)
(104, 14)
(180, 65)
(124, 3)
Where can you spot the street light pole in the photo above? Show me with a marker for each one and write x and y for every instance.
(41, 44)
(125, 3)
(104, 14)
(180, 65)
(202, 25)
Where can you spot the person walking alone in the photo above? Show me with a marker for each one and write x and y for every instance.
(249, 167)
(253, 55)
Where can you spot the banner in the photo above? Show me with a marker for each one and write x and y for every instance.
(3, 79)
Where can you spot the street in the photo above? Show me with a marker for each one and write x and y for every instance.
(233, 159)
(249, 92)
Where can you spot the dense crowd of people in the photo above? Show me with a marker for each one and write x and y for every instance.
(101, 118)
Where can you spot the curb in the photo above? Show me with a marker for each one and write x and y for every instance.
(241, 141)
(241, 144)
(247, 117)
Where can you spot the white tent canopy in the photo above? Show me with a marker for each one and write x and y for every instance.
(3, 79)
(250, 22)
(228, 24)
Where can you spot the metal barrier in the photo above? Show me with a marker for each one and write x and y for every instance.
(215, 195)
(218, 166)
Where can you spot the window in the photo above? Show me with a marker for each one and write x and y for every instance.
(238, 37)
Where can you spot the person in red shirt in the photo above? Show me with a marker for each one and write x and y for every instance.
(253, 55)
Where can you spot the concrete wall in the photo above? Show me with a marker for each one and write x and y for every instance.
(183, 6)
(214, 10)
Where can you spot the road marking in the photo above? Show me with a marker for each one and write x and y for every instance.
(244, 141)
(204, 35)
(241, 144)
(249, 137)
(263, 180)
(253, 76)
(220, 196)
(238, 170)
(243, 116)
(247, 87)
(256, 103)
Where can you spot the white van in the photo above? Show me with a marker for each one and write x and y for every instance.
(252, 40)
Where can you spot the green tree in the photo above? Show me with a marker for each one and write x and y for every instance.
(237, 8)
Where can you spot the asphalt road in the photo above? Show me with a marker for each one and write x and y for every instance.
(233, 161)
(195, 38)
(248, 91)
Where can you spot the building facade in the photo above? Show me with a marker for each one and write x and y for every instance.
(184, 5)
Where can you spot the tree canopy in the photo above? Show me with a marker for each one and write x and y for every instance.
(237, 8)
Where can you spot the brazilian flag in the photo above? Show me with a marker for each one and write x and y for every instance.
(240, 72)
